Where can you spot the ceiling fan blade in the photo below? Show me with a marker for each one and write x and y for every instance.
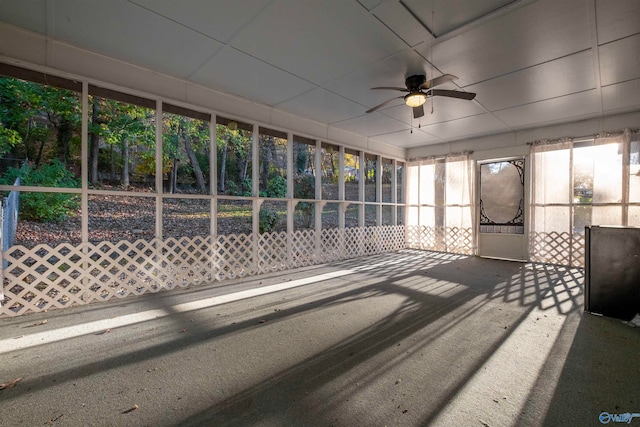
(418, 112)
(371, 110)
(438, 81)
(402, 89)
(453, 94)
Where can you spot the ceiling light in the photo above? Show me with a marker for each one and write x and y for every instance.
(415, 99)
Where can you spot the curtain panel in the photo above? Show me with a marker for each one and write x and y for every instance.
(577, 183)
(440, 208)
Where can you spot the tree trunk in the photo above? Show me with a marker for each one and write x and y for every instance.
(194, 162)
(223, 169)
(65, 132)
(125, 162)
(173, 176)
(94, 143)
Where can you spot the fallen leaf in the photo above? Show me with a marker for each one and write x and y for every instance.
(133, 408)
(11, 383)
(184, 330)
(44, 322)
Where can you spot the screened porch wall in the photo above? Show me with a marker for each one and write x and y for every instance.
(578, 183)
(244, 198)
(440, 208)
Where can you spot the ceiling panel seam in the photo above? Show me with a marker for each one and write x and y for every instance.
(527, 67)
(544, 100)
(593, 32)
(619, 39)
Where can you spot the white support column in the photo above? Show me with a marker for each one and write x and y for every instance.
(255, 191)
(394, 191)
(341, 173)
(84, 198)
(84, 150)
(318, 230)
(159, 169)
(213, 178)
(213, 202)
(361, 179)
(290, 189)
(318, 166)
(378, 190)
(255, 161)
(291, 207)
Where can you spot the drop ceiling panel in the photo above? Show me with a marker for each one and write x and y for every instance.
(406, 138)
(620, 60)
(552, 110)
(321, 105)
(536, 33)
(443, 16)
(621, 96)
(220, 19)
(400, 21)
(128, 32)
(617, 19)
(371, 125)
(444, 109)
(468, 126)
(236, 73)
(33, 18)
(319, 40)
(562, 76)
(391, 71)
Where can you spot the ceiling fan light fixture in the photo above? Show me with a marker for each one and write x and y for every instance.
(415, 99)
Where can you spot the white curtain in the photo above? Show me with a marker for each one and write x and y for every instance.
(576, 184)
(440, 204)
(551, 195)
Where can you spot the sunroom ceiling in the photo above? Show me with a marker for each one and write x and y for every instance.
(531, 63)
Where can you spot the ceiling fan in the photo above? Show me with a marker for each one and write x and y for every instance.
(420, 89)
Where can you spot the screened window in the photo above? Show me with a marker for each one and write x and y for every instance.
(272, 163)
(351, 175)
(330, 165)
(304, 169)
(233, 144)
(122, 141)
(185, 151)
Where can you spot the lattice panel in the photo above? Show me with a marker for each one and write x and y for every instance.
(354, 242)
(333, 245)
(459, 240)
(303, 248)
(272, 252)
(186, 261)
(234, 256)
(43, 277)
(578, 248)
(557, 248)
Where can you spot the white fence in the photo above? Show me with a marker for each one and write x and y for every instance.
(43, 277)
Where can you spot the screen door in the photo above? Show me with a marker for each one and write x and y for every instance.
(501, 209)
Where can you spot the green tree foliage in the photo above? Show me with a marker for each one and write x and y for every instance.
(44, 207)
(234, 161)
(268, 220)
(39, 122)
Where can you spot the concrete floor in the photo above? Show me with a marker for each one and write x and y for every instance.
(406, 339)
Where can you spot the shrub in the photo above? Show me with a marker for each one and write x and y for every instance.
(44, 206)
(277, 187)
(268, 219)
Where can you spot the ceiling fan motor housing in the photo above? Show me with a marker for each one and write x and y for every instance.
(413, 82)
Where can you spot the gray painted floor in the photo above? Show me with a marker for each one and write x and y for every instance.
(406, 339)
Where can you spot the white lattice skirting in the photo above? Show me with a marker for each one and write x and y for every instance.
(557, 248)
(442, 239)
(43, 278)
